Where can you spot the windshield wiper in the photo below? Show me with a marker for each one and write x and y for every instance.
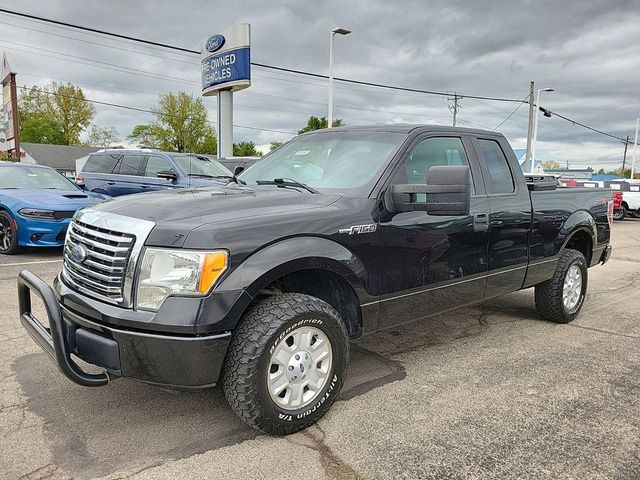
(233, 178)
(287, 182)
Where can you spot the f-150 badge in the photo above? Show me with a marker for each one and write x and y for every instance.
(356, 229)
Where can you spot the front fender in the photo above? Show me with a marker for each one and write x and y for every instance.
(294, 254)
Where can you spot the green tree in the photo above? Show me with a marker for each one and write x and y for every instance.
(103, 137)
(316, 123)
(37, 125)
(245, 149)
(274, 146)
(600, 172)
(56, 113)
(550, 165)
(180, 126)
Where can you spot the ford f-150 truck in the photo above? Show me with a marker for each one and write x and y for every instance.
(260, 284)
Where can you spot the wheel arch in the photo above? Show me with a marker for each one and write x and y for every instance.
(581, 238)
(312, 265)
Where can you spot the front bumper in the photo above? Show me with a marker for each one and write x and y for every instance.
(41, 233)
(186, 362)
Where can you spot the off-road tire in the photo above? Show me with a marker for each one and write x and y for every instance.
(620, 214)
(548, 295)
(6, 219)
(244, 376)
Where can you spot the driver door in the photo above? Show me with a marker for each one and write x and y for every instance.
(430, 264)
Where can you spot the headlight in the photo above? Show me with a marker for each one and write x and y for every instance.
(37, 213)
(165, 272)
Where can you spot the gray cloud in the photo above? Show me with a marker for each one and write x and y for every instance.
(586, 50)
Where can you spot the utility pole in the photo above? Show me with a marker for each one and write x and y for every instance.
(624, 157)
(635, 147)
(527, 158)
(455, 107)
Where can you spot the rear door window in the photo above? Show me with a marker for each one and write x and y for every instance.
(130, 165)
(497, 166)
(100, 163)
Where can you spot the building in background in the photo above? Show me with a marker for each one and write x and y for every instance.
(63, 158)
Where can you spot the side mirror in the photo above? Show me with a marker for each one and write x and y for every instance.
(167, 174)
(238, 170)
(446, 193)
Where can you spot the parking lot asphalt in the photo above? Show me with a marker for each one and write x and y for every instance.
(483, 392)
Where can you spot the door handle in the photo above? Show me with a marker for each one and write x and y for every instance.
(111, 183)
(145, 186)
(480, 222)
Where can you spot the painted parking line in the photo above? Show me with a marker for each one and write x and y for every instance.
(28, 263)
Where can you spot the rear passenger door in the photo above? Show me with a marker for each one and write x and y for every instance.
(154, 164)
(128, 176)
(509, 217)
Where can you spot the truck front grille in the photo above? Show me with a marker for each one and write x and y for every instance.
(95, 261)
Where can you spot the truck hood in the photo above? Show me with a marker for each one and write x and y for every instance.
(177, 212)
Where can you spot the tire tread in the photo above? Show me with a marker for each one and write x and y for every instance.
(241, 372)
(548, 295)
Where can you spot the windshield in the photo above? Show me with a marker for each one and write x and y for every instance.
(33, 177)
(329, 160)
(199, 165)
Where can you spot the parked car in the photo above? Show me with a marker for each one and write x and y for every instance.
(630, 195)
(619, 212)
(568, 182)
(36, 205)
(234, 162)
(120, 171)
(337, 234)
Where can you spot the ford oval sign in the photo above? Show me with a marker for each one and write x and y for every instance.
(79, 253)
(215, 43)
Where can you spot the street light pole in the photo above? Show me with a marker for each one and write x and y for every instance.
(535, 126)
(635, 147)
(339, 31)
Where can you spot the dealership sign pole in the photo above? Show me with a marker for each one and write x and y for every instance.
(11, 132)
(226, 68)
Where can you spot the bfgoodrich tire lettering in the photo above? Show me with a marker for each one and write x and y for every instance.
(249, 361)
(551, 302)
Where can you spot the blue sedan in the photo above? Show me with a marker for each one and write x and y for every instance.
(36, 206)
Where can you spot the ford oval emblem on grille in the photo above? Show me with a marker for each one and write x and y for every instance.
(78, 253)
(215, 43)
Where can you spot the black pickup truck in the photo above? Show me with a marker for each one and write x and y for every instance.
(261, 284)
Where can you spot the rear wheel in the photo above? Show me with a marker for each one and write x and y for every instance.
(560, 298)
(286, 363)
(620, 213)
(8, 234)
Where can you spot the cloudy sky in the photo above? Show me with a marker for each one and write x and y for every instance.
(588, 51)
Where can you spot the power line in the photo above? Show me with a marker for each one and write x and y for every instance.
(575, 122)
(281, 69)
(95, 30)
(511, 114)
(144, 110)
(257, 64)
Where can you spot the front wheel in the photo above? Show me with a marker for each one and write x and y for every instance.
(286, 363)
(8, 234)
(560, 298)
